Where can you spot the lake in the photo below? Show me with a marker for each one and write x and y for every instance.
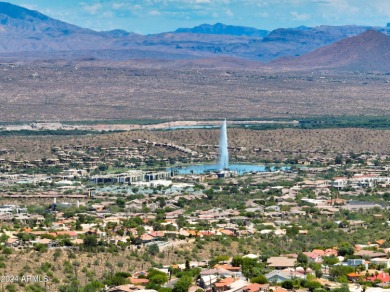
(204, 168)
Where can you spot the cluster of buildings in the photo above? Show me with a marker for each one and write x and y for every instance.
(140, 153)
(361, 181)
(110, 200)
(132, 176)
(226, 277)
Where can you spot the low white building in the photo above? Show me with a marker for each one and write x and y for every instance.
(379, 261)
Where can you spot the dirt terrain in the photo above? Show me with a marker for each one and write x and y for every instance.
(276, 141)
(85, 266)
(89, 91)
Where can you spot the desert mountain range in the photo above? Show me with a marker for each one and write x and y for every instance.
(31, 35)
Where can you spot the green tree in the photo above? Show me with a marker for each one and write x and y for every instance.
(302, 259)
(311, 285)
(183, 284)
(166, 289)
(120, 202)
(292, 231)
(343, 288)
(157, 277)
(260, 279)
(217, 259)
(153, 249)
(94, 286)
(90, 241)
(338, 159)
(249, 267)
(117, 279)
(288, 284)
(345, 249)
(40, 247)
(181, 221)
(237, 261)
(339, 272)
(102, 167)
(318, 273)
(78, 226)
(330, 261)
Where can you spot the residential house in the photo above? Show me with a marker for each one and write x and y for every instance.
(229, 267)
(281, 262)
(381, 277)
(223, 284)
(139, 281)
(237, 286)
(370, 254)
(146, 238)
(354, 277)
(12, 242)
(219, 272)
(381, 261)
(313, 257)
(256, 288)
(207, 281)
(279, 276)
(357, 262)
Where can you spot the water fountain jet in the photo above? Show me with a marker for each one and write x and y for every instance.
(223, 148)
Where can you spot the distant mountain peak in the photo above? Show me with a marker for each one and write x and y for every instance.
(18, 12)
(20, 20)
(368, 51)
(116, 33)
(220, 28)
(371, 33)
(304, 27)
(23, 30)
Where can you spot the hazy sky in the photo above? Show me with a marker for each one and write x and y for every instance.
(152, 16)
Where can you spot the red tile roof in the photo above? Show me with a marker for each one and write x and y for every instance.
(146, 237)
(138, 281)
(319, 252)
(383, 277)
(331, 251)
(193, 232)
(224, 282)
(228, 267)
(157, 233)
(380, 241)
(353, 275)
(253, 287)
(70, 233)
(227, 232)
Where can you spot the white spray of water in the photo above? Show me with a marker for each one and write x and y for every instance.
(223, 148)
